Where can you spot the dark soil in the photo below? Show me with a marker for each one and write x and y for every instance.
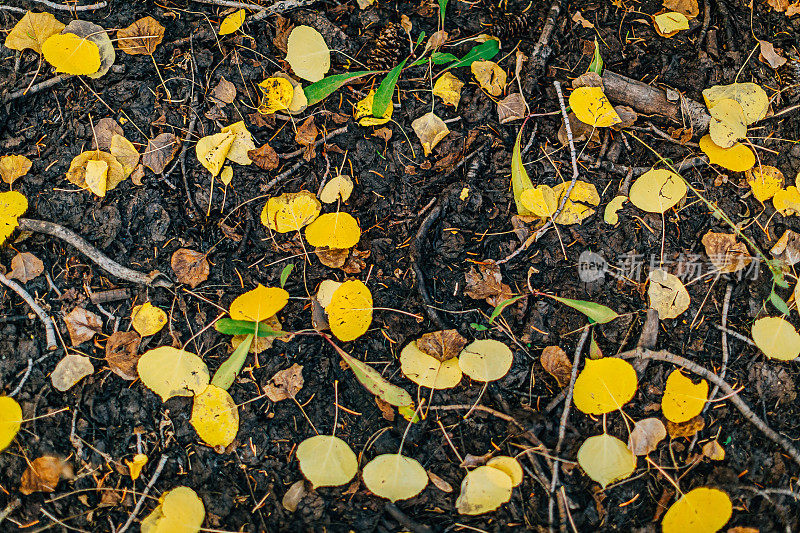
(94, 424)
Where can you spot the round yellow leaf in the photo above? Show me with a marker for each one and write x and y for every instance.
(606, 459)
(541, 201)
(395, 477)
(215, 416)
(683, 400)
(126, 154)
(776, 338)
(509, 465)
(604, 385)
(147, 319)
(728, 123)
(362, 112)
(290, 211)
(787, 201)
(428, 371)
(307, 53)
(350, 310)
(765, 181)
(226, 175)
(259, 304)
(340, 187)
(212, 150)
(334, 230)
(577, 207)
(485, 360)
(179, 510)
(169, 372)
(13, 204)
(737, 158)
(277, 94)
(10, 420)
(490, 76)
(667, 294)
(702, 510)
(655, 191)
(71, 54)
(448, 88)
(96, 176)
(752, 98)
(232, 22)
(484, 490)
(13, 167)
(670, 23)
(591, 106)
(326, 461)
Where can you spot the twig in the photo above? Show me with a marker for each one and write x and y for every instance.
(405, 521)
(100, 259)
(416, 257)
(329, 136)
(542, 50)
(62, 7)
(23, 380)
(50, 332)
(156, 474)
(736, 334)
(13, 9)
(46, 84)
(283, 175)
(724, 370)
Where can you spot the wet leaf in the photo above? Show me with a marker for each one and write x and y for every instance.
(212, 150)
(667, 294)
(646, 436)
(394, 477)
(291, 211)
(333, 230)
(509, 465)
(43, 474)
(178, 510)
(232, 22)
(484, 490)
(430, 130)
(285, 383)
(557, 364)
(362, 112)
(776, 338)
(259, 304)
(428, 371)
(169, 372)
(160, 152)
(485, 360)
(70, 370)
(683, 400)
(486, 283)
(338, 188)
(10, 421)
(350, 310)
(606, 459)
(326, 461)
(215, 416)
(700, 510)
(13, 167)
(750, 96)
(32, 30)
(82, 325)
(490, 76)
(737, 158)
(592, 107)
(147, 319)
(224, 92)
(25, 266)
(96, 171)
(277, 95)
(190, 267)
(141, 37)
(440, 483)
(122, 354)
(725, 253)
(294, 495)
(448, 88)
(242, 143)
(604, 385)
(657, 190)
(307, 53)
(13, 204)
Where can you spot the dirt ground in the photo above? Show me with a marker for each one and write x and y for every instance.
(95, 423)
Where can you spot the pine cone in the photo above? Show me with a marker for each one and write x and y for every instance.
(386, 49)
(510, 25)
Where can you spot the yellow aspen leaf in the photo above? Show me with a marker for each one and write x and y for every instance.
(509, 465)
(670, 23)
(99, 36)
(430, 129)
(32, 30)
(484, 490)
(428, 371)
(307, 53)
(215, 416)
(490, 76)
(299, 101)
(242, 143)
(226, 175)
(591, 106)
(765, 181)
(610, 215)
(277, 95)
(606, 459)
(448, 88)
(750, 96)
(701, 510)
(259, 304)
(232, 22)
(667, 294)
(10, 420)
(540, 201)
(135, 465)
(579, 205)
(787, 201)
(350, 310)
(326, 461)
(338, 188)
(141, 38)
(169, 372)
(657, 190)
(394, 477)
(683, 400)
(178, 510)
(148, 319)
(776, 338)
(126, 154)
(485, 360)
(290, 211)
(334, 230)
(212, 150)
(78, 170)
(13, 205)
(96, 176)
(737, 158)
(71, 54)
(604, 385)
(13, 167)
(728, 123)
(362, 112)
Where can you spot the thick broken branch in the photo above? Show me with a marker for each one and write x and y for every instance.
(50, 331)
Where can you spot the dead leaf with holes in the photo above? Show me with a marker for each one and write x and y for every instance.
(160, 152)
(725, 253)
(285, 384)
(490, 76)
(555, 361)
(122, 354)
(43, 474)
(25, 266)
(770, 56)
(82, 325)
(486, 283)
(190, 267)
(141, 38)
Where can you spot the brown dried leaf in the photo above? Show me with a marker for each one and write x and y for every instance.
(264, 157)
(443, 344)
(283, 27)
(306, 135)
(557, 364)
(714, 450)
(787, 249)
(43, 474)
(387, 411)
(141, 37)
(486, 283)
(104, 130)
(356, 261)
(628, 116)
(686, 429)
(770, 56)
(70, 370)
(13, 167)
(646, 436)
(725, 253)
(285, 384)
(689, 8)
(122, 353)
(471, 461)
(511, 108)
(25, 266)
(332, 257)
(82, 325)
(588, 79)
(224, 92)
(439, 483)
(160, 152)
(190, 267)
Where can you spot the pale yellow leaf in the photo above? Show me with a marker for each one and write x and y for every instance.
(428, 371)
(667, 294)
(307, 53)
(394, 477)
(701, 510)
(776, 338)
(338, 188)
(169, 372)
(242, 143)
(606, 459)
(484, 490)
(212, 150)
(215, 416)
(485, 360)
(430, 129)
(656, 191)
(326, 461)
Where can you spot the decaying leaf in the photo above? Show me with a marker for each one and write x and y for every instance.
(13, 167)
(13, 204)
(713, 450)
(700, 510)
(122, 353)
(212, 150)
(70, 370)
(689, 8)
(43, 474)
(307, 53)
(215, 416)
(190, 267)
(787, 201)
(25, 266)
(486, 283)
(337, 188)
(443, 344)
(770, 56)
(148, 319)
(725, 253)
(160, 151)
(264, 157)
(32, 30)
(646, 436)
(485, 360)
(326, 461)
(787, 249)
(104, 131)
(604, 385)
(484, 490)
(776, 338)
(169, 372)
(285, 383)
(667, 294)
(394, 477)
(294, 495)
(511, 108)
(178, 510)
(490, 76)
(97, 35)
(556, 362)
(448, 88)
(428, 371)
(141, 37)
(430, 129)
(686, 429)
(82, 325)
(277, 95)
(606, 459)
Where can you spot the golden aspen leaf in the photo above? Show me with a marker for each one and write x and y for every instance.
(362, 112)
(126, 154)
(765, 181)
(79, 167)
(226, 175)
(13, 204)
(646, 436)
(350, 310)
(657, 190)
(540, 201)
(242, 143)
(135, 465)
(71, 54)
(485, 360)
(148, 319)
(394, 477)
(326, 461)
(670, 23)
(215, 416)
(334, 230)
(259, 304)
(13, 167)
(737, 158)
(212, 150)
(99, 36)
(141, 38)
(750, 96)
(728, 123)
(326, 291)
(232, 22)
(277, 95)
(179, 511)
(490, 76)
(428, 371)
(787, 201)
(307, 53)
(290, 211)
(579, 205)
(509, 465)
(683, 400)
(448, 88)
(604, 385)
(701, 510)
(484, 490)
(667, 294)
(10, 420)
(96, 176)
(776, 338)
(340, 187)
(430, 129)
(32, 30)
(610, 215)
(169, 372)
(606, 459)
(591, 106)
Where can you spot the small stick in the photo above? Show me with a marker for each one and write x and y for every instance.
(46, 84)
(112, 295)
(156, 474)
(23, 380)
(724, 370)
(61, 7)
(50, 332)
(13, 9)
(329, 136)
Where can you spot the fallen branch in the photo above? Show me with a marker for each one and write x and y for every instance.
(100, 259)
(261, 11)
(46, 84)
(50, 332)
(542, 49)
(73, 9)
(156, 474)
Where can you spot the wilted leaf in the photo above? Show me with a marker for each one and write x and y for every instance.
(190, 267)
(334, 230)
(326, 461)
(490, 76)
(646, 436)
(13, 204)
(25, 266)
(428, 371)
(557, 364)
(440, 483)
(375, 383)
(604, 385)
(99, 36)
(291, 211)
(43, 474)
(592, 107)
(13, 167)
(448, 88)
(147, 319)
(667, 294)
(442, 345)
(232, 22)
(339, 187)
(160, 151)
(212, 150)
(242, 143)
(10, 420)
(307, 53)
(700, 510)
(82, 325)
(484, 490)
(787, 249)
(485, 360)
(770, 56)
(737, 158)
(70, 370)
(178, 510)
(486, 283)
(776, 338)
(224, 92)
(259, 304)
(606, 459)
(511, 108)
(99, 177)
(32, 30)
(141, 37)
(394, 477)
(686, 429)
(656, 191)
(104, 131)
(285, 383)
(169, 372)
(264, 157)
(122, 353)
(430, 129)
(215, 416)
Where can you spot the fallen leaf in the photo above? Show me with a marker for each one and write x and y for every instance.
(737, 158)
(99, 36)
(428, 371)
(294, 495)
(160, 151)
(13, 204)
(148, 319)
(290, 211)
(190, 267)
(725, 253)
(490, 76)
(787, 201)
(440, 483)
(96, 176)
(232, 22)
(82, 325)
(765, 181)
(135, 465)
(178, 510)
(689, 8)
(430, 130)
(557, 364)
(277, 95)
(265, 157)
(787, 249)
(646, 436)
(215, 416)
(70, 370)
(656, 191)
(683, 399)
(750, 96)
(610, 215)
(591, 106)
(141, 37)
(541, 201)
(259, 304)
(285, 383)
(71, 54)
(378, 385)
(283, 27)
(99, 182)
(448, 88)
(770, 56)
(242, 143)
(169, 372)
(670, 23)
(43, 474)
(394, 477)
(604, 385)
(485, 360)
(224, 92)
(577, 17)
(579, 205)
(307, 53)
(362, 111)
(700, 510)
(667, 294)
(443, 344)
(714, 451)
(13, 167)
(326, 461)
(122, 353)
(776, 338)
(126, 154)
(32, 30)
(338, 188)
(483, 490)
(486, 283)
(212, 150)
(334, 230)
(511, 108)
(606, 459)
(10, 420)
(728, 123)
(25, 266)
(305, 136)
(509, 465)
(104, 131)
(686, 429)
(350, 310)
